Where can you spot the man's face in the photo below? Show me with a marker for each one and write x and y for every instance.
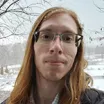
(54, 59)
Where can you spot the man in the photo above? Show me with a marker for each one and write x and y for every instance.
(53, 67)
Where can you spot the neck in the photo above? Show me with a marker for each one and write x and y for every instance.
(47, 90)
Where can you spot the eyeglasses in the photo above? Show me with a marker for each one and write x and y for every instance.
(46, 37)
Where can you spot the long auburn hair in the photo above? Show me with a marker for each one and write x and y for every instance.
(76, 81)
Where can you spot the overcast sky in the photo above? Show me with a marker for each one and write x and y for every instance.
(88, 14)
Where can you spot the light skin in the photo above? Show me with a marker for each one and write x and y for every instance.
(53, 61)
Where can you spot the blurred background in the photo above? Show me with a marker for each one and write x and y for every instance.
(16, 20)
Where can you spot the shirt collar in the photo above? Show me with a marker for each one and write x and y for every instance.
(56, 99)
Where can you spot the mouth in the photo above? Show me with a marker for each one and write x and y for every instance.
(57, 63)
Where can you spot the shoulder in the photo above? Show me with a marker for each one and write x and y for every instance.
(92, 96)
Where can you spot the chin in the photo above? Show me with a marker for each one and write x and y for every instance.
(54, 77)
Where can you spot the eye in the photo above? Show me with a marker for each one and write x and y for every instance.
(45, 36)
(68, 38)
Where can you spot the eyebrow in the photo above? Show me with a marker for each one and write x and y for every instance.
(69, 31)
(46, 29)
(51, 28)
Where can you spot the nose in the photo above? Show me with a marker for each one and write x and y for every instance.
(56, 46)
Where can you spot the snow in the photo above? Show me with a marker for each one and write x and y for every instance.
(99, 83)
(6, 85)
(7, 80)
(95, 70)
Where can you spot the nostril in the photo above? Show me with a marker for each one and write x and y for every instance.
(60, 52)
(51, 51)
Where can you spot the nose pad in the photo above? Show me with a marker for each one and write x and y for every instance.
(56, 47)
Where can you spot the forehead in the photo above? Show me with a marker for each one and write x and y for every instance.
(59, 22)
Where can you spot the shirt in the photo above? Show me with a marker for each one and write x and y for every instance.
(56, 100)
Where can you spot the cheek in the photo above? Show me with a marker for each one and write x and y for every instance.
(70, 56)
(40, 49)
(40, 52)
(71, 52)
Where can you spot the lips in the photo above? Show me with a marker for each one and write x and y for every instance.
(54, 62)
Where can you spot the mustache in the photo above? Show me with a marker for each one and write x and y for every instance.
(55, 59)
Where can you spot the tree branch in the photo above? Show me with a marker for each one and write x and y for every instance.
(4, 2)
(100, 8)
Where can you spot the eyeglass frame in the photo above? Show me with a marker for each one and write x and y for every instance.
(36, 37)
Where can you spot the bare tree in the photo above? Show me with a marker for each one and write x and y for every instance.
(17, 15)
(16, 19)
(100, 31)
(98, 6)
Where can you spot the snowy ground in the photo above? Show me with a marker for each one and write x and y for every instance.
(97, 72)
(6, 85)
(7, 80)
